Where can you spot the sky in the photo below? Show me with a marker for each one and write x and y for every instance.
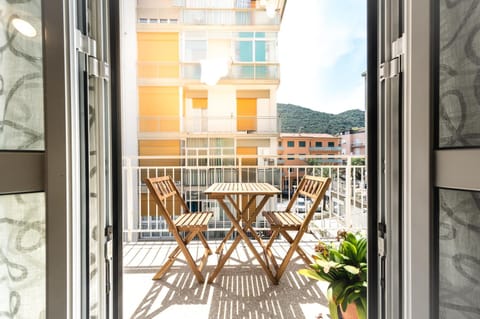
(322, 53)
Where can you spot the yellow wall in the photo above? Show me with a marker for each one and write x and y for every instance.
(159, 109)
(247, 151)
(246, 113)
(252, 161)
(158, 54)
(200, 103)
(159, 148)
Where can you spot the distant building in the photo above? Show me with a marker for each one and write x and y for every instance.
(353, 142)
(295, 149)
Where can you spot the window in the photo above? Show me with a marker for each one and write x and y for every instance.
(302, 157)
(255, 47)
(318, 144)
(291, 157)
(302, 144)
(331, 144)
(279, 144)
(290, 143)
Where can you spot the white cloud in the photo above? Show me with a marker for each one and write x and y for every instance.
(315, 35)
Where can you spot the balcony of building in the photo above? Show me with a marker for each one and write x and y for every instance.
(205, 126)
(358, 144)
(189, 73)
(242, 289)
(325, 149)
(209, 13)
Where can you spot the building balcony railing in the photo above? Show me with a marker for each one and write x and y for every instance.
(191, 71)
(358, 144)
(207, 15)
(326, 149)
(344, 205)
(209, 124)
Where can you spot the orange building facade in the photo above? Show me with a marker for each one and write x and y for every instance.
(297, 149)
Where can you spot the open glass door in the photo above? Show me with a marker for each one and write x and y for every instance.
(456, 101)
(96, 232)
(23, 266)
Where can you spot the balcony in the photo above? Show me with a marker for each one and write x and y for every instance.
(206, 14)
(344, 205)
(242, 288)
(152, 72)
(208, 125)
(358, 144)
(326, 149)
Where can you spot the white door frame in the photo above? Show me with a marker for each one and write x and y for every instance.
(417, 160)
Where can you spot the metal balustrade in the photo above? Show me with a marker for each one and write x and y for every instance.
(209, 124)
(344, 206)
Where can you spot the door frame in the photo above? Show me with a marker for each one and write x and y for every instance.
(117, 182)
(57, 167)
(418, 163)
(372, 151)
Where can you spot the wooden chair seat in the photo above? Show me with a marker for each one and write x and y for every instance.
(281, 222)
(184, 228)
(193, 221)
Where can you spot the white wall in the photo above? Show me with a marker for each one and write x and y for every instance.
(222, 108)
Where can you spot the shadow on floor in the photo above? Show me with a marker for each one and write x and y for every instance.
(238, 292)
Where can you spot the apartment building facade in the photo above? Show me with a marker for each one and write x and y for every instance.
(294, 150)
(207, 74)
(354, 142)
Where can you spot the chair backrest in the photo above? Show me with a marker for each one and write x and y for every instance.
(163, 188)
(311, 187)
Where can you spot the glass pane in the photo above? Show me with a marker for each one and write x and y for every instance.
(459, 254)
(21, 76)
(459, 80)
(22, 256)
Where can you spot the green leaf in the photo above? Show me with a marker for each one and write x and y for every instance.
(332, 305)
(349, 250)
(361, 308)
(311, 274)
(333, 310)
(351, 269)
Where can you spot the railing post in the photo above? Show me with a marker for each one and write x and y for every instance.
(129, 199)
(348, 194)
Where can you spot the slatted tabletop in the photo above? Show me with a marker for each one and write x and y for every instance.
(242, 188)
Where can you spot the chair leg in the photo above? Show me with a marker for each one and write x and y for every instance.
(288, 256)
(300, 251)
(204, 242)
(171, 258)
(190, 261)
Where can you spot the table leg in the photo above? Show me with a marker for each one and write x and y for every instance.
(243, 235)
(238, 218)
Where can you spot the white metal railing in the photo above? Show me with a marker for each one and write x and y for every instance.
(209, 124)
(192, 70)
(207, 16)
(344, 205)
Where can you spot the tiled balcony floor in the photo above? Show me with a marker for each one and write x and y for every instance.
(242, 289)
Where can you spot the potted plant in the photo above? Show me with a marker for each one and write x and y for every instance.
(344, 266)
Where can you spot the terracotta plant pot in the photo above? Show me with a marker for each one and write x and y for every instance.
(351, 312)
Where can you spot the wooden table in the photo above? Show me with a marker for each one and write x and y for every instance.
(245, 214)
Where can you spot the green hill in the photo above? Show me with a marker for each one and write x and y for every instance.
(293, 117)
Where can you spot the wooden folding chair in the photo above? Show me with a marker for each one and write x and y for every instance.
(280, 222)
(163, 189)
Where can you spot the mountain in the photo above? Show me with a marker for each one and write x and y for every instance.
(294, 117)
